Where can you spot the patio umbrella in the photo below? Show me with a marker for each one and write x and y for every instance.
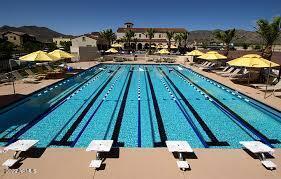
(195, 53)
(39, 56)
(116, 45)
(111, 50)
(61, 54)
(212, 56)
(253, 61)
(163, 51)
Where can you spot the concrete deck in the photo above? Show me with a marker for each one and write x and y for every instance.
(144, 163)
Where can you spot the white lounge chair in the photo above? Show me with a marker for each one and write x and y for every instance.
(225, 72)
(272, 88)
(18, 76)
(259, 148)
(258, 85)
(235, 72)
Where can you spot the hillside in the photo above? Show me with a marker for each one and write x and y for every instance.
(243, 36)
(42, 34)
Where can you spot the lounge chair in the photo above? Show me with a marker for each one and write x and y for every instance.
(272, 88)
(4, 78)
(226, 71)
(235, 72)
(221, 70)
(201, 64)
(260, 149)
(262, 84)
(37, 76)
(18, 76)
(209, 67)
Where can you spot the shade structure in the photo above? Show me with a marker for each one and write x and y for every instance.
(195, 53)
(39, 56)
(212, 56)
(112, 50)
(252, 61)
(116, 45)
(153, 46)
(163, 51)
(61, 54)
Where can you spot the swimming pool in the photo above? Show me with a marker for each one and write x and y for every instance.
(139, 106)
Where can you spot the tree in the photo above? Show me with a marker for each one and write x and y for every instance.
(269, 32)
(150, 34)
(109, 36)
(32, 46)
(66, 45)
(6, 49)
(184, 36)
(226, 37)
(170, 35)
(178, 39)
(129, 37)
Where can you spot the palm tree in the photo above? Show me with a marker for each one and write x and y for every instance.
(226, 37)
(184, 36)
(109, 36)
(150, 34)
(129, 37)
(269, 32)
(170, 35)
(178, 39)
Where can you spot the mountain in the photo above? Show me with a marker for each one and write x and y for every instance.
(242, 36)
(42, 34)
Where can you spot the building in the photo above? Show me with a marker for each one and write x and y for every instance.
(58, 40)
(142, 40)
(84, 47)
(18, 38)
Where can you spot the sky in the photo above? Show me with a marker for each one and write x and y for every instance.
(83, 16)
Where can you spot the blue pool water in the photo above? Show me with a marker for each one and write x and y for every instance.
(139, 106)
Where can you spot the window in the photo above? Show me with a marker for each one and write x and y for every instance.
(159, 35)
(15, 38)
(139, 35)
(83, 39)
(145, 36)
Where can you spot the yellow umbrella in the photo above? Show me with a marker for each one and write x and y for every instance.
(195, 53)
(116, 45)
(163, 51)
(61, 54)
(39, 56)
(212, 56)
(252, 61)
(165, 46)
(112, 50)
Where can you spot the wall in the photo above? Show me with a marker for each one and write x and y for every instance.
(84, 41)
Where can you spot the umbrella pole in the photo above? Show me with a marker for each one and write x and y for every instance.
(268, 75)
(249, 77)
(13, 80)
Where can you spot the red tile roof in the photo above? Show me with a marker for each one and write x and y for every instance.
(158, 30)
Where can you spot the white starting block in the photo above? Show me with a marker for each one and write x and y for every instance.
(10, 162)
(183, 165)
(95, 164)
(269, 164)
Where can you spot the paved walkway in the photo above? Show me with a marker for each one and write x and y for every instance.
(145, 163)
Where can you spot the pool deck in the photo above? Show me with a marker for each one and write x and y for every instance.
(144, 163)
